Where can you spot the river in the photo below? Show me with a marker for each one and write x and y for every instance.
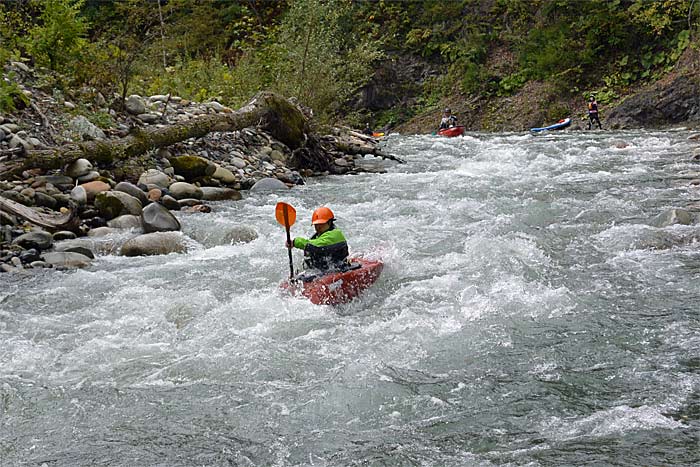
(529, 313)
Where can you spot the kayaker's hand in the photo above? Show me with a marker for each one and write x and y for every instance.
(289, 244)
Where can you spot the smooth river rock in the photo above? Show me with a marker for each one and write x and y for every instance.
(156, 243)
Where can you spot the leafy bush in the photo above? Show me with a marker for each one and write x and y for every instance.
(57, 41)
(11, 96)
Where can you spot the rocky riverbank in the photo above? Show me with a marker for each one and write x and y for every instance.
(54, 217)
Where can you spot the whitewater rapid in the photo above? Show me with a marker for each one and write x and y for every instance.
(530, 312)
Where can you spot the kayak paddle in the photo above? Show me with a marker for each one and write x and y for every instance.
(286, 215)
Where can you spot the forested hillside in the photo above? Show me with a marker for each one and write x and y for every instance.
(501, 64)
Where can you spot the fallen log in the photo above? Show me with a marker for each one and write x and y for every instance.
(48, 220)
(268, 111)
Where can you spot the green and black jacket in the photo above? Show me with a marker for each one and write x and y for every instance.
(326, 251)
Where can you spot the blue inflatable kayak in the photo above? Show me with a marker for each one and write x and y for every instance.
(557, 126)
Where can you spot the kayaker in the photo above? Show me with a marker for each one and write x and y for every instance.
(593, 113)
(367, 131)
(448, 120)
(327, 249)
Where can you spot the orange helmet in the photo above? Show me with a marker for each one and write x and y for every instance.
(322, 215)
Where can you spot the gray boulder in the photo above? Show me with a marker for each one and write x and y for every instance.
(135, 105)
(157, 218)
(182, 190)
(156, 243)
(269, 184)
(133, 190)
(112, 204)
(79, 195)
(126, 221)
(78, 168)
(39, 239)
(66, 259)
(240, 234)
(85, 129)
(154, 177)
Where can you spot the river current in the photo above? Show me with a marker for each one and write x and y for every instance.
(530, 312)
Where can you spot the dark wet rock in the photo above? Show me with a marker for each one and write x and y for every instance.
(63, 182)
(63, 235)
(39, 239)
(157, 218)
(170, 203)
(79, 249)
(156, 243)
(18, 197)
(659, 104)
(95, 222)
(7, 219)
(29, 255)
(62, 200)
(44, 200)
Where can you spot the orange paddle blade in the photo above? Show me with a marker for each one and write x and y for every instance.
(285, 214)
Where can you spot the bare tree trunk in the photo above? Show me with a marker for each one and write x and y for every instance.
(270, 112)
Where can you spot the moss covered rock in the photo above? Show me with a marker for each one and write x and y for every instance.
(192, 167)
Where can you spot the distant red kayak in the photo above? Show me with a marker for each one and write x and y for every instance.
(338, 287)
(451, 132)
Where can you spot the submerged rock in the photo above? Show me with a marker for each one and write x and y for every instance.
(269, 184)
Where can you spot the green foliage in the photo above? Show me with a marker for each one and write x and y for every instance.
(196, 79)
(557, 111)
(512, 83)
(57, 41)
(12, 24)
(101, 119)
(316, 58)
(11, 96)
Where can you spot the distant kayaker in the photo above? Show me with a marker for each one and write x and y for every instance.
(593, 113)
(448, 120)
(367, 131)
(327, 249)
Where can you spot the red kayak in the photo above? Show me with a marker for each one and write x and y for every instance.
(336, 287)
(452, 132)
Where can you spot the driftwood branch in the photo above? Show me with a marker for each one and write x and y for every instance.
(49, 221)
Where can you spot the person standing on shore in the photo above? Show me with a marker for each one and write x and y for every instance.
(593, 113)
